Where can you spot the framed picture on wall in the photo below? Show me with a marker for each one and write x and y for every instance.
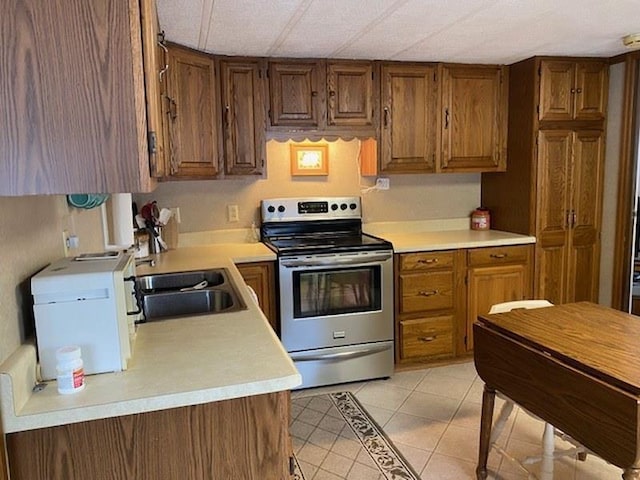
(309, 159)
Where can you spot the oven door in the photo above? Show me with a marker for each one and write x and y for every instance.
(336, 299)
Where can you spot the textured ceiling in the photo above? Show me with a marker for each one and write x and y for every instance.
(479, 31)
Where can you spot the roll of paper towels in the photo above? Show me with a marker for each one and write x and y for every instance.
(118, 221)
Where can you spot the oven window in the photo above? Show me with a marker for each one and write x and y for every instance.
(336, 291)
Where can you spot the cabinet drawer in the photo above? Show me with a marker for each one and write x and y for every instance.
(426, 260)
(424, 337)
(498, 255)
(426, 291)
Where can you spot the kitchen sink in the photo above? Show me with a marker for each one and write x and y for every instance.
(188, 293)
(175, 281)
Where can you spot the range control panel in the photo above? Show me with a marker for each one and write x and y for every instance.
(301, 209)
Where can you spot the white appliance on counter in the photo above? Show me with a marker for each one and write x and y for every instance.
(87, 301)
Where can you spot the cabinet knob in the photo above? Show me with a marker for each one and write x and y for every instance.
(498, 255)
(573, 90)
(578, 90)
(387, 118)
(314, 94)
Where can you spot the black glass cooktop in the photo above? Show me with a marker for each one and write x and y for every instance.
(325, 243)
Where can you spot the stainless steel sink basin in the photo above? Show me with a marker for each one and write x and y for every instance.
(175, 281)
(171, 304)
(173, 294)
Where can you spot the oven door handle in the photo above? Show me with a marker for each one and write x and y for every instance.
(360, 352)
(333, 261)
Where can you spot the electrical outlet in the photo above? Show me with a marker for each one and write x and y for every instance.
(233, 213)
(69, 242)
(382, 184)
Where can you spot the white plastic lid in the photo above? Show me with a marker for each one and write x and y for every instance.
(68, 353)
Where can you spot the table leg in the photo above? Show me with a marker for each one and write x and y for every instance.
(631, 474)
(488, 400)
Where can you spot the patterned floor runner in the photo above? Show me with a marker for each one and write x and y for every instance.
(335, 438)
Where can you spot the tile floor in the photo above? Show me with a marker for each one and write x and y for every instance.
(432, 415)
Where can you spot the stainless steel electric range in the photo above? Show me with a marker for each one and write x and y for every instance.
(335, 289)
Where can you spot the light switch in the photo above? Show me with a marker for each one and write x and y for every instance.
(232, 213)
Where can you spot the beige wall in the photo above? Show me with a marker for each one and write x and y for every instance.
(203, 204)
(31, 237)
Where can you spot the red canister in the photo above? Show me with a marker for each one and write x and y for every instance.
(480, 219)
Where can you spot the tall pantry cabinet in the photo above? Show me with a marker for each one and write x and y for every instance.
(553, 186)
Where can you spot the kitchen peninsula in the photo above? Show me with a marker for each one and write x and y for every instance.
(204, 397)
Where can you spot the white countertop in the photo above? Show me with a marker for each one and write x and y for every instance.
(176, 362)
(447, 234)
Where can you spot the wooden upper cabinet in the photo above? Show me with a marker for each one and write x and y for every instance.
(350, 94)
(408, 123)
(73, 116)
(243, 116)
(296, 93)
(155, 61)
(572, 90)
(334, 95)
(569, 211)
(474, 119)
(192, 110)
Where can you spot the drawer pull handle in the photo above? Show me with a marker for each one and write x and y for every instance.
(428, 293)
(498, 255)
(428, 260)
(427, 339)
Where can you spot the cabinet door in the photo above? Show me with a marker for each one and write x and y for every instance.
(490, 285)
(557, 90)
(409, 105)
(297, 93)
(426, 291)
(586, 215)
(73, 114)
(474, 116)
(260, 276)
(591, 90)
(350, 94)
(553, 210)
(154, 62)
(426, 337)
(243, 110)
(192, 114)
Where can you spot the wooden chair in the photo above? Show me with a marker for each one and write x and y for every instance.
(549, 453)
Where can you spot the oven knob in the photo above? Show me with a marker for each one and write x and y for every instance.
(281, 208)
(353, 206)
(343, 206)
(271, 209)
(334, 206)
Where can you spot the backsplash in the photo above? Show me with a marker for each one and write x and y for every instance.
(31, 238)
(203, 204)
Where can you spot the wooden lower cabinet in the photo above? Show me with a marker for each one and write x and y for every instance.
(494, 275)
(260, 276)
(440, 294)
(245, 438)
(428, 296)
